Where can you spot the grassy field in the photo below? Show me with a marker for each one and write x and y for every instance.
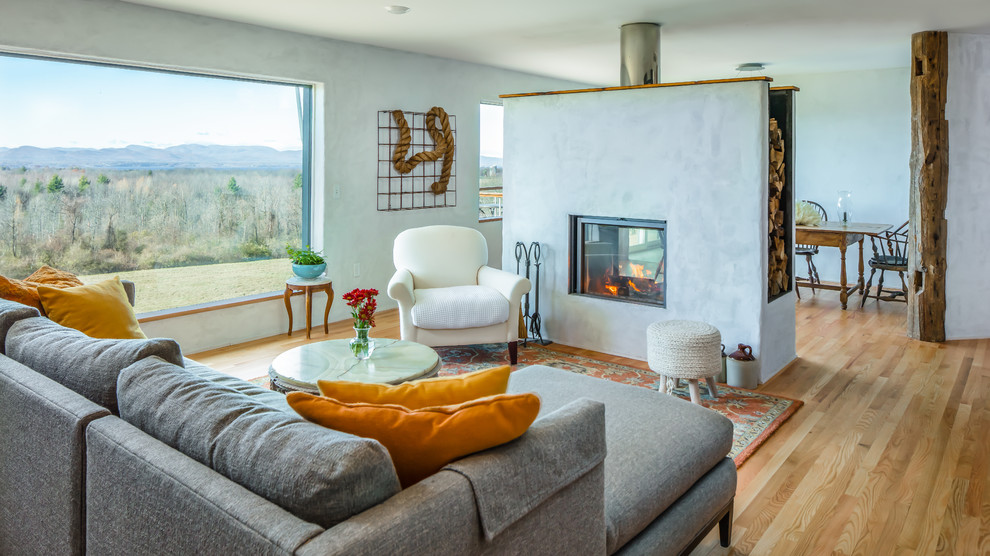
(168, 288)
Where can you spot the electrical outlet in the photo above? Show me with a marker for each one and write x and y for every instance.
(357, 269)
(336, 192)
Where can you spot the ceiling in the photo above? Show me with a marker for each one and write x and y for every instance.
(579, 39)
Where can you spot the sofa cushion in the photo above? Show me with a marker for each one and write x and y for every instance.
(11, 312)
(320, 475)
(87, 365)
(426, 392)
(658, 445)
(459, 307)
(268, 397)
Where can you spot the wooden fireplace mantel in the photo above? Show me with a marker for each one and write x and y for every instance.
(650, 86)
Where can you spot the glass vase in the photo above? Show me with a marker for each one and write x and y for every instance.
(844, 207)
(361, 344)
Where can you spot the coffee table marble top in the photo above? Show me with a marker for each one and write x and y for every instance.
(392, 362)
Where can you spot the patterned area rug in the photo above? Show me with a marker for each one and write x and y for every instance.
(754, 415)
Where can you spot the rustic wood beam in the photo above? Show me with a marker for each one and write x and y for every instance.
(929, 186)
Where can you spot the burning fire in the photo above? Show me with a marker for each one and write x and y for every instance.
(613, 289)
(638, 271)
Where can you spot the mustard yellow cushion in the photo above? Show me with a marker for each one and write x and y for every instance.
(417, 394)
(26, 291)
(98, 310)
(422, 441)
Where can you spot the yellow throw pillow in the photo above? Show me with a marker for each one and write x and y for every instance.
(417, 394)
(98, 310)
(422, 441)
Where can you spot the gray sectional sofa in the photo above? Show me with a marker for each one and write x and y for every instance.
(126, 447)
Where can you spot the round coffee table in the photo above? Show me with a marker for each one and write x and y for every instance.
(392, 362)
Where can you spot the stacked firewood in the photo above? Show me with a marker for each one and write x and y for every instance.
(777, 268)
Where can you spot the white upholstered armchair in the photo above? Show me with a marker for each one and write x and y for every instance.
(448, 296)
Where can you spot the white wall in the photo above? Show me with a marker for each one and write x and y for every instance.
(967, 277)
(853, 132)
(694, 156)
(354, 82)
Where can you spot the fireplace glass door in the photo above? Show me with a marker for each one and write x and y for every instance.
(618, 258)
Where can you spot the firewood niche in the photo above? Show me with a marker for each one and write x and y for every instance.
(780, 212)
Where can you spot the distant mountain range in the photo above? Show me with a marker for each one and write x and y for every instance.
(135, 156)
(486, 161)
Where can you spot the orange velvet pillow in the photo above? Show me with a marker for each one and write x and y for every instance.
(54, 278)
(417, 394)
(26, 291)
(98, 310)
(422, 441)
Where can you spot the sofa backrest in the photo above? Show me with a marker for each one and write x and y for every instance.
(42, 453)
(320, 475)
(147, 498)
(441, 256)
(85, 365)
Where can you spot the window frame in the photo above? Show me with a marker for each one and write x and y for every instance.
(306, 110)
(482, 219)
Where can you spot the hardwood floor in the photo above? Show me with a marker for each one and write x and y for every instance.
(889, 455)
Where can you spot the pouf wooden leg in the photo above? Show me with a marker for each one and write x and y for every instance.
(711, 387)
(695, 394)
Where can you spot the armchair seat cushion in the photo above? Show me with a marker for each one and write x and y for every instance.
(459, 307)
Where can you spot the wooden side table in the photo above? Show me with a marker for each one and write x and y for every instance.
(296, 284)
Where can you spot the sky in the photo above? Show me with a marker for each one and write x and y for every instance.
(491, 130)
(60, 104)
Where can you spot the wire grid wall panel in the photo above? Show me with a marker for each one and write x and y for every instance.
(412, 191)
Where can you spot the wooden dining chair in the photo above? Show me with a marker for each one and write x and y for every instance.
(889, 253)
(809, 251)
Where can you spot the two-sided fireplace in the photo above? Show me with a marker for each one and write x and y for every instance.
(619, 259)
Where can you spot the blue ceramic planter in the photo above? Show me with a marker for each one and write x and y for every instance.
(308, 271)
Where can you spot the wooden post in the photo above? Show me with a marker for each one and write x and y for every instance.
(929, 186)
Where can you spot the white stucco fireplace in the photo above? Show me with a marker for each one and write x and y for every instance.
(692, 157)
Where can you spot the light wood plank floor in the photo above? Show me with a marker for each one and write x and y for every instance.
(889, 455)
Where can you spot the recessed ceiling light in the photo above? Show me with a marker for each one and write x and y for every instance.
(396, 9)
(750, 66)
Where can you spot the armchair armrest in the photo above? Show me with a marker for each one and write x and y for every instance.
(400, 288)
(512, 286)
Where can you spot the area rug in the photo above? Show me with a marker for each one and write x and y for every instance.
(754, 415)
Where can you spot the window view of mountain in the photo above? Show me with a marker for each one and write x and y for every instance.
(189, 186)
(134, 156)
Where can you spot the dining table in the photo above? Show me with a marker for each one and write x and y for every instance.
(838, 234)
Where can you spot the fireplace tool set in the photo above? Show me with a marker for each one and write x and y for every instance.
(532, 257)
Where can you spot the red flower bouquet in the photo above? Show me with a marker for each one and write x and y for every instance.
(363, 306)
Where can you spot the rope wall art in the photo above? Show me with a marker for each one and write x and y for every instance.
(416, 162)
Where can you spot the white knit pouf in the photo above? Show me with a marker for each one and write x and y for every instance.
(685, 349)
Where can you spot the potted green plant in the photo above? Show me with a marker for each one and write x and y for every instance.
(306, 263)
